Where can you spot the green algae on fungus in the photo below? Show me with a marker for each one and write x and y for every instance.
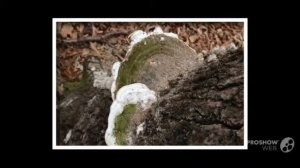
(133, 94)
(122, 123)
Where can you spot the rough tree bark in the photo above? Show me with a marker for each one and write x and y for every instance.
(206, 108)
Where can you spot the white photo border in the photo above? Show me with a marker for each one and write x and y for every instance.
(215, 147)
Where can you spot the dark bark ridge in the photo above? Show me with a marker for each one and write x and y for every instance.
(206, 108)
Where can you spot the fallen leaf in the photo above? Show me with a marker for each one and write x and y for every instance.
(94, 48)
(167, 28)
(187, 42)
(94, 31)
(70, 73)
(58, 26)
(193, 27)
(80, 28)
(74, 35)
(178, 30)
(70, 52)
(199, 31)
(193, 38)
(77, 65)
(203, 28)
(85, 52)
(113, 40)
(220, 32)
(102, 26)
(149, 27)
(67, 29)
(131, 27)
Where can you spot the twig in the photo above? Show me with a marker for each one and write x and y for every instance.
(93, 39)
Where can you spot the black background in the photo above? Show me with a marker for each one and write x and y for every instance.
(273, 87)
